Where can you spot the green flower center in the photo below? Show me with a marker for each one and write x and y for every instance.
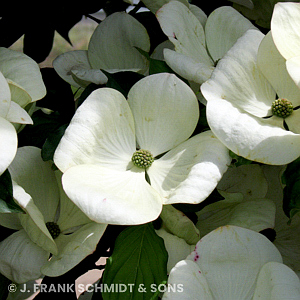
(53, 229)
(142, 158)
(282, 108)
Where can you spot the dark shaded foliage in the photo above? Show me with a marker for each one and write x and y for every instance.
(39, 22)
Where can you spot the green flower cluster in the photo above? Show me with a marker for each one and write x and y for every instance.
(282, 108)
(142, 158)
(53, 229)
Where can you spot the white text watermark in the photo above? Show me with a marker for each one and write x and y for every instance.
(96, 287)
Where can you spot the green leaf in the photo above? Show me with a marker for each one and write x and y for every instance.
(43, 125)
(52, 142)
(158, 66)
(239, 160)
(7, 203)
(291, 192)
(261, 12)
(139, 262)
(122, 81)
(144, 53)
(87, 91)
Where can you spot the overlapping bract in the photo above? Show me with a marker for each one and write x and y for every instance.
(112, 47)
(239, 100)
(160, 115)
(21, 84)
(233, 263)
(37, 189)
(199, 44)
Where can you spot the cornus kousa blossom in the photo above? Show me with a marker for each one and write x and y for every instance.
(20, 84)
(252, 103)
(285, 26)
(233, 263)
(253, 200)
(112, 47)
(51, 224)
(245, 204)
(122, 160)
(199, 44)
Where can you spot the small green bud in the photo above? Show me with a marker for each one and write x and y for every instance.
(282, 108)
(53, 229)
(142, 158)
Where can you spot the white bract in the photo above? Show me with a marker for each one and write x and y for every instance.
(155, 5)
(285, 28)
(240, 96)
(20, 84)
(177, 248)
(112, 48)
(233, 263)
(177, 223)
(287, 239)
(199, 45)
(179, 234)
(253, 200)
(244, 189)
(51, 223)
(245, 204)
(95, 153)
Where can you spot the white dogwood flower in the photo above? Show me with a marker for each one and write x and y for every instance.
(20, 84)
(242, 108)
(199, 45)
(253, 200)
(233, 263)
(105, 174)
(51, 223)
